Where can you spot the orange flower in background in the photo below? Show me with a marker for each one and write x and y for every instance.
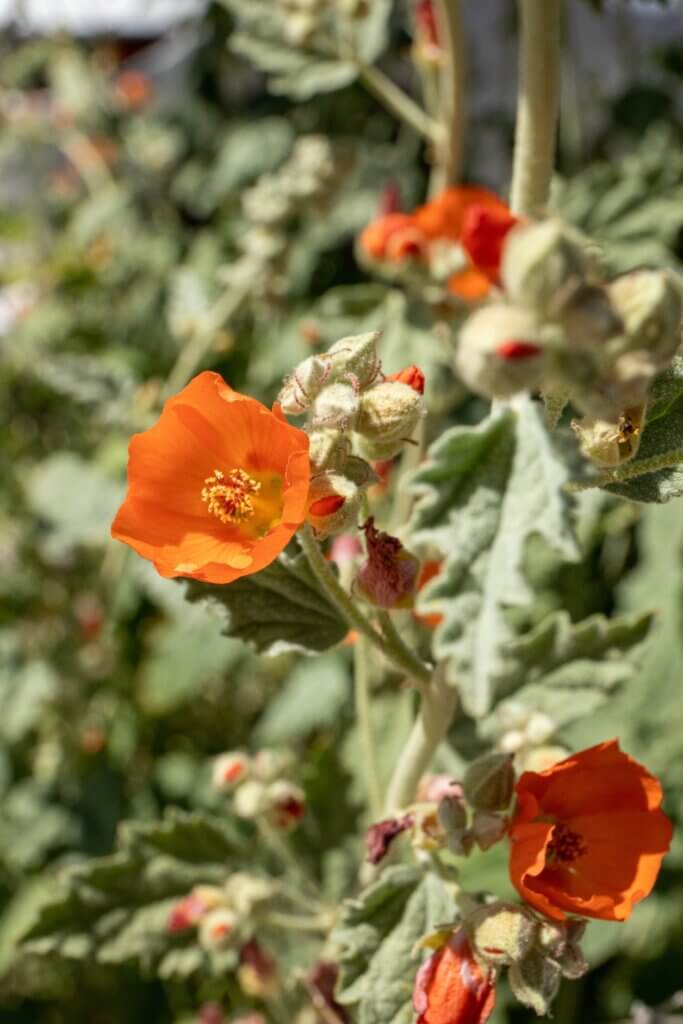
(588, 835)
(217, 487)
(451, 987)
(466, 215)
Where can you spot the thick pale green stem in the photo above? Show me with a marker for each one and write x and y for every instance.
(452, 91)
(397, 654)
(439, 701)
(362, 692)
(538, 105)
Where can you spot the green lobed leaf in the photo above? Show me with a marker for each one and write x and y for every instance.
(661, 443)
(482, 493)
(377, 937)
(567, 669)
(114, 910)
(312, 697)
(278, 609)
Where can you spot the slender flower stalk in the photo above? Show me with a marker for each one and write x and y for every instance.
(397, 654)
(538, 105)
(439, 702)
(452, 93)
(361, 667)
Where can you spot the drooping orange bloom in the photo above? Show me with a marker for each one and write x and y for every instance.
(217, 487)
(451, 987)
(402, 237)
(588, 835)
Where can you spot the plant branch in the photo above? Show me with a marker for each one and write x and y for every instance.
(439, 702)
(396, 100)
(350, 611)
(450, 146)
(362, 693)
(537, 105)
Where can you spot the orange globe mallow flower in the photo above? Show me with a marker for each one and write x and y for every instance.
(588, 835)
(452, 988)
(468, 215)
(217, 487)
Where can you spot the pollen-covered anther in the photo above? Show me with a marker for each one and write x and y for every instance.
(565, 846)
(229, 496)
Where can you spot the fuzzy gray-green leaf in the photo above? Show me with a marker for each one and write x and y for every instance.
(481, 494)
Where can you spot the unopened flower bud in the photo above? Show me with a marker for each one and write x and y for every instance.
(217, 928)
(269, 765)
(539, 728)
(287, 805)
(188, 912)
(607, 443)
(248, 894)
(328, 449)
(388, 576)
(500, 352)
(412, 376)
(551, 937)
(354, 360)
(435, 788)
(587, 316)
(230, 769)
(452, 817)
(332, 504)
(539, 259)
(542, 758)
(378, 451)
(488, 829)
(535, 982)
(336, 407)
(650, 303)
(489, 782)
(572, 962)
(428, 832)
(381, 835)
(251, 799)
(389, 412)
(304, 385)
(501, 933)
(257, 972)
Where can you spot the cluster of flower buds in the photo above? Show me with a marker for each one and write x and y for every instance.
(356, 415)
(259, 787)
(527, 734)
(223, 915)
(446, 250)
(453, 815)
(560, 327)
(461, 972)
(306, 183)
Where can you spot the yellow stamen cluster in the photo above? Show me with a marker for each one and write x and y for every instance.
(229, 496)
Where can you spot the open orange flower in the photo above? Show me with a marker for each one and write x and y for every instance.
(448, 217)
(588, 835)
(217, 488)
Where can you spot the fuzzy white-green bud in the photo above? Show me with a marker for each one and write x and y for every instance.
(607, 443)
(389, 412)
(501, 933)
(535, 982)
(333, 504)
(336, 407)
(650, 303)
(500, 352)
(328, 449)
(489, 782)
(354, 360)
(540, 260)
(304, 385)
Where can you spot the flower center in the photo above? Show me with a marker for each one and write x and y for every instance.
(565, 846)
(229, 496)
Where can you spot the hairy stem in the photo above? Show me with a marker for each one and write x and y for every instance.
(192, 354)
(537, 106)
(361, 673)
(630, 471)
(348, 608)
(396, 100)
(439, 702)
(452, 90)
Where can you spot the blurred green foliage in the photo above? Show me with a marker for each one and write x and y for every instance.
(120, 231)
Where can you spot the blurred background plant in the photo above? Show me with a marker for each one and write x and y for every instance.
(167, 204)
